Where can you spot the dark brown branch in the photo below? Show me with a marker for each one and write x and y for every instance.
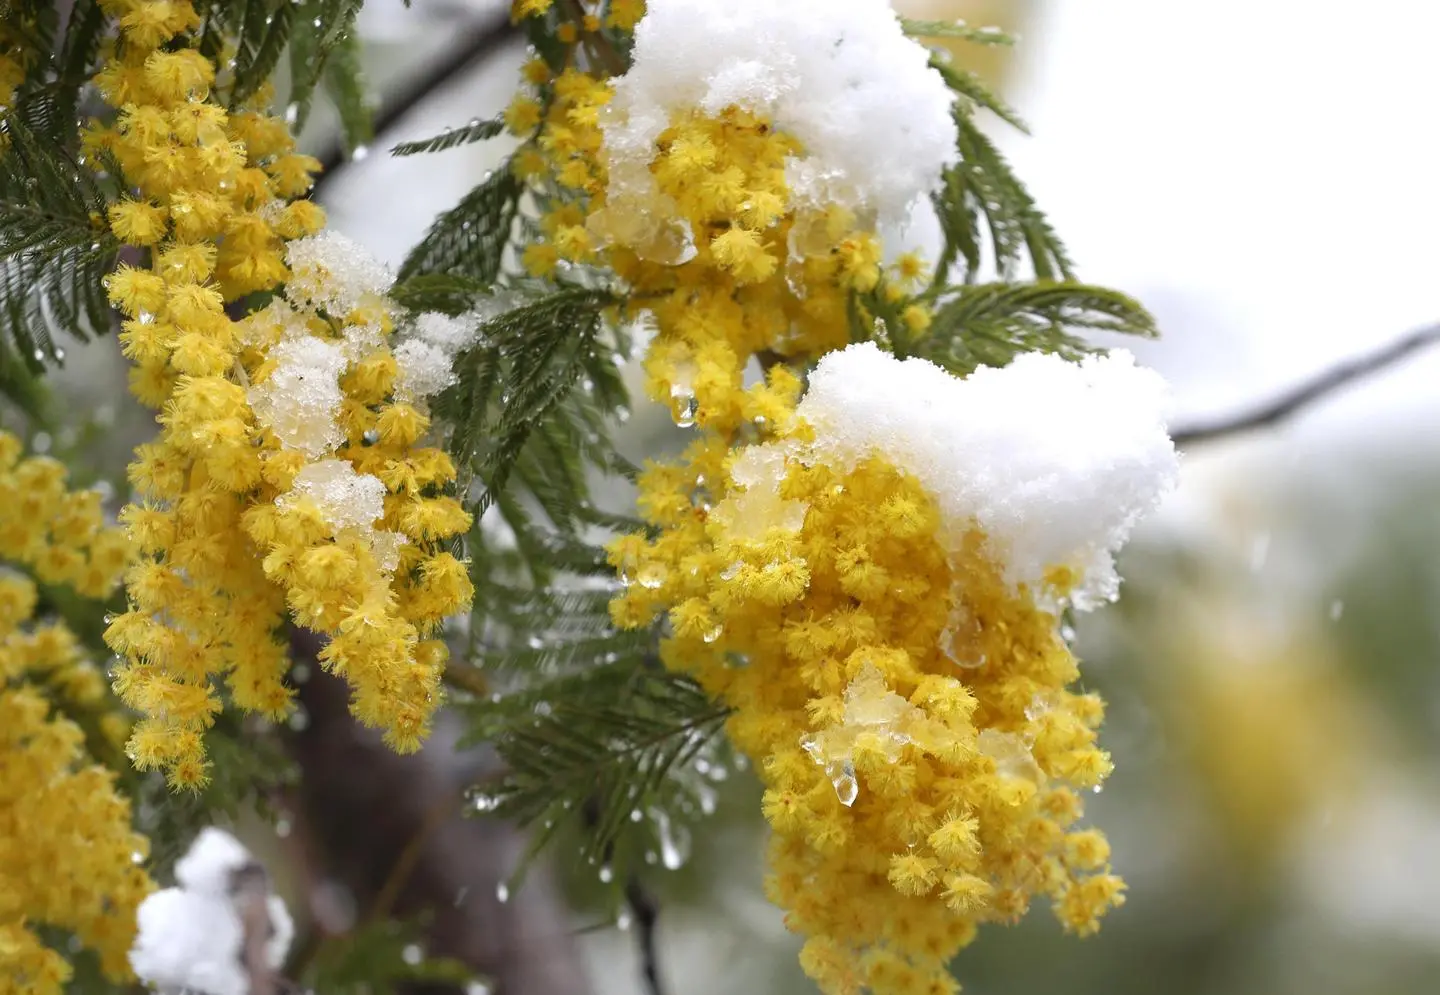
(1303, 395)
(647, 913)
(250, 890)
(474, 44)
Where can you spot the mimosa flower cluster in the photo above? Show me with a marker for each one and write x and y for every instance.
(287, 474)
(738, 205)
(68, 855)
(871, 575)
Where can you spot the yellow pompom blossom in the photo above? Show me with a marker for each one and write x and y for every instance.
(376, 592)
(912, 798)
(725, 262)
(212, 204)
(68, 856)
(907, 701)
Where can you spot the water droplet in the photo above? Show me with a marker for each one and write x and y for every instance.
(713, 634)
(607, 874)
(39, 355)
(282, 827)
(477, 988)
(624, 919)
(412, 953)
(674, 841)
(360, 153)
(1098, 788)
(535, 642)
(651, 576)
(299, 720)
(636, 815)
(59, 355)
(485, 802)
(502, 892)
(370, 436)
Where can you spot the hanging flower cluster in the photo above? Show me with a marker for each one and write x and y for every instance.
(265, 488)
(870, 577)
(69, 858)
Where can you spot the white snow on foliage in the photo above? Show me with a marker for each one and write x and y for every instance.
(841, 77)
(190, 937)
(300, 400)
(1056, 461)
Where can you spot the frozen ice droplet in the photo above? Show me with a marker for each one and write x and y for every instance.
(651, 576)
(607, 874)
(360, 153)
(292, 113)
(847, 789)
(713, 634)
(685, 411)
(502, 892)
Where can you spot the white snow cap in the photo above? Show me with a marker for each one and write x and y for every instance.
(301, 399)
(190, 937)
(351, 503)
(329, 270)
(839, 75)
(1056, 461)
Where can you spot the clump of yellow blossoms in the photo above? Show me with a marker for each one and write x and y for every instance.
(68, 855)
(228, 541)
(880, 614)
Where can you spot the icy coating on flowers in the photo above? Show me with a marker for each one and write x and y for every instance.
(68, 855)
(232, 549)
(830, 74)
(1053, 461)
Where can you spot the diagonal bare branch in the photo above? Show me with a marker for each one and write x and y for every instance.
(1290, 402)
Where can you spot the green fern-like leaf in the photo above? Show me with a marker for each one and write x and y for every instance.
(989, 324)
(983, 184)
(971, 87)
(954, 29)
(599, 753)
(54, 250)
(475, 131)
(320, 28)
(345, 86)
(469, 239)
(265, 27)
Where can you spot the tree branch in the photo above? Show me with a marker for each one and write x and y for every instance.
(646, 912)
(1303, 395)
(475, 43)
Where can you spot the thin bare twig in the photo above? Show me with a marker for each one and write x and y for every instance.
(646, 911)
(1303, 395)
(250, 890)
